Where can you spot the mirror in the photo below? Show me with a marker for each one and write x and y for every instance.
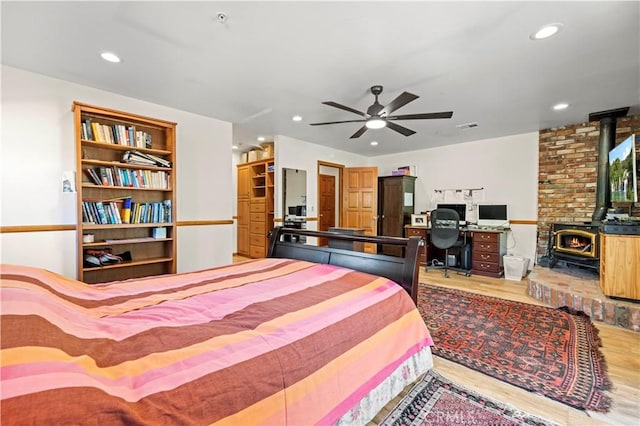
(294, 193)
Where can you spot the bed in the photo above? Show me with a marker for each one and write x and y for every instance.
(300, 337)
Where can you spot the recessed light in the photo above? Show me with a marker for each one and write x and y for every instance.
(373, 143)
(234, 146)
(110, 57)
(545, 31)
(296, 118)
(561, 106)
(469, 125)
(261, 138)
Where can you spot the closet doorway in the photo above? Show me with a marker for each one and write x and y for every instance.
(329, 197)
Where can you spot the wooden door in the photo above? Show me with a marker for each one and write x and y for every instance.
(391, 198)
(327, 207)
(244, 182)
(395, 206)
(390, 202)
(360, 201)
(244, 191)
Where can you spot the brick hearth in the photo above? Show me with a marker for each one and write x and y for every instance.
(580, 289)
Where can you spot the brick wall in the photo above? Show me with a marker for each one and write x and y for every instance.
(567, 173)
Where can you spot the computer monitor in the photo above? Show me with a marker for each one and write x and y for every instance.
(460, 208)
(493, 215)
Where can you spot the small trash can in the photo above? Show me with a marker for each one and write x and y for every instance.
(515, 267)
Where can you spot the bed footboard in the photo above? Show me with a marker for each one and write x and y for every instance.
(402, 270)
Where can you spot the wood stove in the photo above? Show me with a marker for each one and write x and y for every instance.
(579, 243)
(575, 243)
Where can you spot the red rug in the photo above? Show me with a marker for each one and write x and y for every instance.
(436, 401)
(547, 351)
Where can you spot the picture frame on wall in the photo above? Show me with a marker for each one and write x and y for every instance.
(419, 220)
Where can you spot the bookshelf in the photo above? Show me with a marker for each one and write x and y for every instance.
(126, 197)
(256, 184)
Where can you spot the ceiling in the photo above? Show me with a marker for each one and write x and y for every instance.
(269, 61)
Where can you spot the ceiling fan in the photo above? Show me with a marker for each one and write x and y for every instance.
(377, 115)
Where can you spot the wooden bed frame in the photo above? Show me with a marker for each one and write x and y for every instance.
(402, 270)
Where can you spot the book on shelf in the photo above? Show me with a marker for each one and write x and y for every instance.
(126, 211)
(137, 157)
(130, 136)
(102, 214)
(87, 129)
(167, 211)
(93, 176)
(87, 216)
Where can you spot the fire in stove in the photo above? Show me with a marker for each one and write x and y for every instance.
(579, 243)
(575, 244)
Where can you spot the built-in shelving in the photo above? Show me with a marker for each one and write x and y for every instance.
(146, 244)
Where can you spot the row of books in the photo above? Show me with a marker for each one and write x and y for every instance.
(103, 213)
(144, 159)
(125, 211)
(117, 134)
(116, 176)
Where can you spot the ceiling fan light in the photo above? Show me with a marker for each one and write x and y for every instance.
(375, 123)
(110, 57)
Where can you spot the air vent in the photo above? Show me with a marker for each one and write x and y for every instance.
(467, 125)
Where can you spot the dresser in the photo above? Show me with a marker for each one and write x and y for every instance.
(487, 249)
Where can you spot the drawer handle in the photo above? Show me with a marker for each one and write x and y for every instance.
(485, 257)
(485, 266)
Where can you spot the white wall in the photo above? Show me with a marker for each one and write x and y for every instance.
(38, 145)
(296, 154)
(507, 169)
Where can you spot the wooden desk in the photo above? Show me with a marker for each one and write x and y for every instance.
(419, 231)
(487, 248)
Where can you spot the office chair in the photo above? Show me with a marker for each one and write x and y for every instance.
(445, 234)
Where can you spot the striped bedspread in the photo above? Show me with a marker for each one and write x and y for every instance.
(266, 341)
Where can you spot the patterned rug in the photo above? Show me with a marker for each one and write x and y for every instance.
(437, 401)
(547, 351)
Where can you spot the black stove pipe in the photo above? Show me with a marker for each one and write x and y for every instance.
(606, 144)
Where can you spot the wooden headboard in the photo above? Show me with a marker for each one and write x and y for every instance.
(402, 270)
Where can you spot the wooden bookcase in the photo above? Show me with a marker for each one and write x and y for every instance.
(149, 187)
(256, 184)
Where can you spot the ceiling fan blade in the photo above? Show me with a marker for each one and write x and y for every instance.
(343, 107)
(359, 133)
(426, 116)
(336, 122)
(400, 129)
(402, 99)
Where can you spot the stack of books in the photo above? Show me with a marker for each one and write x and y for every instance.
(137, 157)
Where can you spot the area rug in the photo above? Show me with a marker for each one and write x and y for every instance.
(437, 401)
(547, 351)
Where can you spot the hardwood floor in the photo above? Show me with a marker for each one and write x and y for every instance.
(621, 349)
